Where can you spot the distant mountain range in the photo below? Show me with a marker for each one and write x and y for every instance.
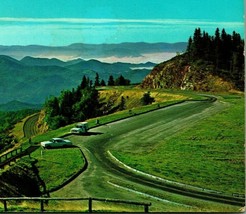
(32, 73)
(17, 105)
(124, 52)
(32, 80)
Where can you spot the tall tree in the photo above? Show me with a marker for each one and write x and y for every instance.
(66, 104)
(102, 83)
(111, 81)
(52, 107)
(197, 44)
(97, 80)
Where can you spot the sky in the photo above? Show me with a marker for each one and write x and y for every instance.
(63, 22)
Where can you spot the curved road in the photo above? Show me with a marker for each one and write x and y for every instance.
(105, 178)
(29, 127)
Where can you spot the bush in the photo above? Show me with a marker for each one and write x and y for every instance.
(147, 99)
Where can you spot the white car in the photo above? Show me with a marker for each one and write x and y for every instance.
(56, 143)
(80, 128)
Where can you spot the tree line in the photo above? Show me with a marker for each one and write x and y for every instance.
(78, 104)
(223, 51)
(120, 81)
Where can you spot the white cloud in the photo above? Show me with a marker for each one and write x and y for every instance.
(118, 21)
(64, 31)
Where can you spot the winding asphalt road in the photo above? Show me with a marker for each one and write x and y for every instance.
(29, 128)
(106, 178)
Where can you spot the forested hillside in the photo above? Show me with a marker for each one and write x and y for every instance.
(80, 103)
(45, 77)
(210, 63)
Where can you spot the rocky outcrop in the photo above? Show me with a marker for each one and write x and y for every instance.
(179, 73)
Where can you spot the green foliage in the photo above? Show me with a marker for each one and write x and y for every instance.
(147, 99)
(120, 81)
(210, 154)
(8, 120)
(111, 81)
(52, 160)
(73, 106)
(222, 50)
(79, 104)
(210, 63)
(97, 83)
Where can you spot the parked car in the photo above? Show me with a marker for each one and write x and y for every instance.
(80, 128)
(56, 143)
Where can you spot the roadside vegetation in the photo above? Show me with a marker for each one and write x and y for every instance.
(179, 158)
(132, 106)
(8, 121)
(80, 103)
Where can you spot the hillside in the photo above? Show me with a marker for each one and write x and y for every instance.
(179, 73)
(32, 80)
(211, 63)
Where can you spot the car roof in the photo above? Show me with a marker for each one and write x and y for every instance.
(57, 138)
(82, 123)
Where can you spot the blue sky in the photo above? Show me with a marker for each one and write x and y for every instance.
(63, 22)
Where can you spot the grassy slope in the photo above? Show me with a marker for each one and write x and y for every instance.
(162, 98)
(113, 117)
(94, 181)
(209, 154)
(51, 164)
(55, 159)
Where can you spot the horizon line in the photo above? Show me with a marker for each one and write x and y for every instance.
(82, 43)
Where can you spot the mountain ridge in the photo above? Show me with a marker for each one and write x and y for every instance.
(97, 51)
(33, 82)
(16, 105)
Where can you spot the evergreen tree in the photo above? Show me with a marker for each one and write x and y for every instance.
(84, 83)
(102, 83)
(97, 82)
(197, 44)
(73, 106)
(122, 81)
(111, 81)
(66, 103)
(221, 52)
(52, 107)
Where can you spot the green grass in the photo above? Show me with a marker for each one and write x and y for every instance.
(209, 155)
(196, 156)
(56, 166)
(163, 98)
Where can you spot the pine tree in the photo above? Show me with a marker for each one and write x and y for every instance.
(84, 83)
(66, 101)
(97, 83)
(197, 44)
(52, 107)
(102, 83)
(111, 81)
